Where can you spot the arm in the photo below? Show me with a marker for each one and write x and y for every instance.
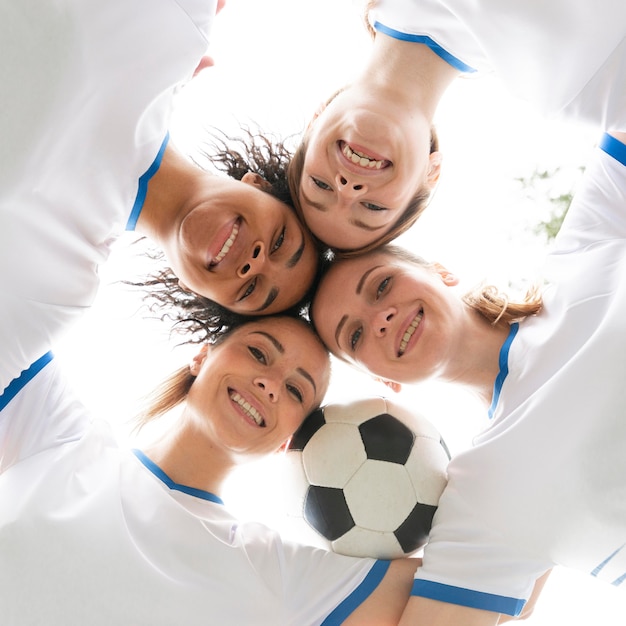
(529, 607)
(619, 136)
(387, 603)
(426, 612)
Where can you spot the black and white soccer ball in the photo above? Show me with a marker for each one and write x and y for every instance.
(367, 477)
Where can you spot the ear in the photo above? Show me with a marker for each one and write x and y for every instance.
(197, 361)
(434, 169)
(395, 387)
(257, 181)
(447, 276)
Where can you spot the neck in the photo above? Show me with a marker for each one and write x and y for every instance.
(477, 364)
(412, 72)
(168, 196)
(186, 457)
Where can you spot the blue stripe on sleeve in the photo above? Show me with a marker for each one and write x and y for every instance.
(613, 147)
(504, 368)
(17, 384)
(359, 595)
(427, 41)
(467, 597)
(143, 186)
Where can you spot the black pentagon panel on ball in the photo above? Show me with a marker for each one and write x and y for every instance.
(386, 438)
(311, 424)
(326, 510)
(412, 534)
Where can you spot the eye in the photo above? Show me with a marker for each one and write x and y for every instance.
(295, 392)
(321, 184)
(373, 207)
(354, 338)
(257, 354)
(250, 289)
(279, 242)
(382, 287)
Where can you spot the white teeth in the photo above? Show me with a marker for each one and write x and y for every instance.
(248, 408)
(361, 159)
(227, 245)
(409, 332)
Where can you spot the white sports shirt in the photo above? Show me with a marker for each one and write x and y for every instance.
(545, 484)
(86, 89)
(567, 57)
(96, 535)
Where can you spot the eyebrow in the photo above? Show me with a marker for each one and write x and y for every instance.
(292, 261)
(271, 296)
(281, 349)
(359, 288)
(357, 223)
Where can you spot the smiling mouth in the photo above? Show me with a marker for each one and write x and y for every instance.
(408, 333)
(247, 408)
(227, 245)
(360, 158)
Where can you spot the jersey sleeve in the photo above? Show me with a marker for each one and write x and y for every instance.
(597, 213)
(37, 412)
(469, 563)
(312, 585)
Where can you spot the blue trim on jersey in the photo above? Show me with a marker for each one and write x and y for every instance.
(17, 384)
(163, 477)
(596, 570)
(613, 147)
(427, 41)
(359, 595)
(143, 186)
(504, 368)
(467, 597)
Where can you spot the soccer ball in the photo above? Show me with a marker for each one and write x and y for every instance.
(367, 477)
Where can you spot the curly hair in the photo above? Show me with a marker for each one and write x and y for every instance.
(196, 317)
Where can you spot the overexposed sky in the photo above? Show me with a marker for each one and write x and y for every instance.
(275, 62)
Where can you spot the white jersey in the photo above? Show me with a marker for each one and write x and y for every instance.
(545, 484)
(567, 57)
(86, 90)
(93, 534)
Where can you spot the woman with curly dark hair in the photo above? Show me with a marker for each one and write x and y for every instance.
(251, 155)
(85, 154)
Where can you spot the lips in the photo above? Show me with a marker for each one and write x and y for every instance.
(362, 159)
(249, 411)
(223, 243)
(410, 331)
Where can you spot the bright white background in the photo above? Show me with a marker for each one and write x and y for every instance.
(275, 62)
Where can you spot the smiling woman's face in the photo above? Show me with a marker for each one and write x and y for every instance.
(255, 388)
(363, 165)
(390, 317)
(243, 249)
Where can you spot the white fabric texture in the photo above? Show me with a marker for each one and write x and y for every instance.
(86, 90)
(545, 483)
(566, 57)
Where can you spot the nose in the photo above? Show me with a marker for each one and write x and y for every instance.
(349, 185)
(382, 321)
(268, 386)
(253, 264)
